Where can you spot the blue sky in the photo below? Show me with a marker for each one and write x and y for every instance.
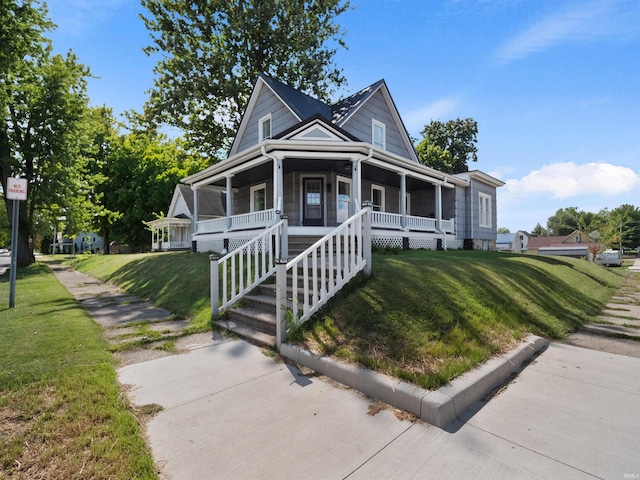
(554, 85)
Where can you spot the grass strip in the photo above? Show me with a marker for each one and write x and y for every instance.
(62, 413)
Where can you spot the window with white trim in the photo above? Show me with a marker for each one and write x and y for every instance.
(258, 197)
(264, 128)
(484, 202)
(378, 134)
(377, 198)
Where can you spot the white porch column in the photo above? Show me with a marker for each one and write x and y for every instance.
(278, 182)
(403, 199)
(439, 207)
(196, 214)
(229, 201)
(356, 179)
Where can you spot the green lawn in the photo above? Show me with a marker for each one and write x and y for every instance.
(427, 317)
(62, 414)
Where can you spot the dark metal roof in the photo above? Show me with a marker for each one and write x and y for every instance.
(302, 104)
(345, 107)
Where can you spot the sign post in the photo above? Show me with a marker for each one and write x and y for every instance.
(16, 191)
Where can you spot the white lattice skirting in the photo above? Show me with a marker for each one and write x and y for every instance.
(217, 245)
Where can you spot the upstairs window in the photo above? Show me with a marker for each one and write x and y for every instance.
(264, 128)
(378, 134)
(484, 210)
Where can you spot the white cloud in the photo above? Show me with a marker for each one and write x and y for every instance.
(442, 109)
(588, 21)
(568, 179)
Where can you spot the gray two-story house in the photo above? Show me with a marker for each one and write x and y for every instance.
(318, 163)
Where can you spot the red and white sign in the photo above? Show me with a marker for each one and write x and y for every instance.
(16, 188)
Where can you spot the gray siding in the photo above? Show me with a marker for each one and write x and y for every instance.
(281, 118)
(462, 213)
(376, 108)
(481, 233)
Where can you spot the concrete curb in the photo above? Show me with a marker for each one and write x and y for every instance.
(438, 407)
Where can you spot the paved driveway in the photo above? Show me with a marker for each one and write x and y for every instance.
(231, 412)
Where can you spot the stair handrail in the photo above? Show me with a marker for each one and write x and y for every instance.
(261, 253)
(319, 285)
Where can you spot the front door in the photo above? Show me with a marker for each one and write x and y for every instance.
(313, 202)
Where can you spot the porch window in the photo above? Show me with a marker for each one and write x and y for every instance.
(485, 210)
(377, 198)
(343, 200)
(258, 197)
(264, 128)
(378, 134)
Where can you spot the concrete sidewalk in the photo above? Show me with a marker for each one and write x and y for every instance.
(231, 412)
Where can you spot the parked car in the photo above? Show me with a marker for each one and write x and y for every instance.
(609, 258)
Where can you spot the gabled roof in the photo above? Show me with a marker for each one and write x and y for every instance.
(559, 240)
(301, 104)
(317, 120)
(505, 237)
(210, 201)
(304, 106)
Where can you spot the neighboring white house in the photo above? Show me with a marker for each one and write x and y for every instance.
(175, 231)
(83, 242)
(513, 242)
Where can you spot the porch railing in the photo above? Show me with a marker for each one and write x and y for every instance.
(246, 267)
(321, 271)
(262, 218)
(170, 245)
(393, 221)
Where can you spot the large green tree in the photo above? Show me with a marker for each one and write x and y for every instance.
(564, 221)
(42, 101)
(212, 51)
(137, 179)
(449, 146)
(622, 227)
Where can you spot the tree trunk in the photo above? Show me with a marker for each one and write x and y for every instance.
(25, 252)
(106, 248)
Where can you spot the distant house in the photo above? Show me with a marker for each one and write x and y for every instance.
(517, 242)
(83, 242)
(577, 244)
(176, 230)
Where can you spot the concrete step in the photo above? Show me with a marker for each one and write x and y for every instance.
(254, 336)
(257, 319)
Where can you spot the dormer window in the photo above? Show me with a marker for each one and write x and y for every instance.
(264, 128)
(378, 134)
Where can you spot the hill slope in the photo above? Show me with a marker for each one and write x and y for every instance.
(423, 316)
